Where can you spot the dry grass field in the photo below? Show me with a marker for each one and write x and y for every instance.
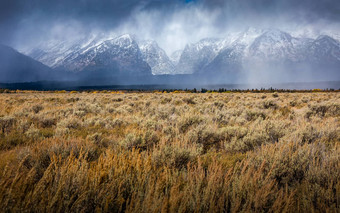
(147, 152)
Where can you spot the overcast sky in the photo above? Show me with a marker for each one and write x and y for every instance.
(171, 23)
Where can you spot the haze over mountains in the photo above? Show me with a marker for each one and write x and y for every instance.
(16, 67)
(253, 55)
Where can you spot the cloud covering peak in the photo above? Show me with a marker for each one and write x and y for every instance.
(171, 23)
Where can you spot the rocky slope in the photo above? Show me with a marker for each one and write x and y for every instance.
(156, 58)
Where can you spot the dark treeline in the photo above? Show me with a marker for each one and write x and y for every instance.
(171, 86)
(202, 90)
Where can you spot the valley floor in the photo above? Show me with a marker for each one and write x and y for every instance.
(148, 152)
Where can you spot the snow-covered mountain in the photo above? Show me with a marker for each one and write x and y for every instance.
(156, 58)
(231, 53)
(120, 55)
(53, 52)
(197, 55)
(275, 49)
(324, 49)
(273, 45)
(236, 52)
(175, 56)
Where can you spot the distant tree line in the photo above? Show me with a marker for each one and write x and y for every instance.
(194, 90)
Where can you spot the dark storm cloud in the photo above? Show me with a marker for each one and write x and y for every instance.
(26, 21)
(319, 8)
(307, 11)
(32, 16)
(16, 11)
(106, 11)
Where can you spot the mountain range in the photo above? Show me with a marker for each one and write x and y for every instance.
(248, 54)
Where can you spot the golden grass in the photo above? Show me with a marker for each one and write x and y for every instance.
(162, 152)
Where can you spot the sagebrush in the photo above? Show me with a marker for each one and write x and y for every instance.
(146, 152)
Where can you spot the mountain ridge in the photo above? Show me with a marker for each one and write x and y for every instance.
(195, 56)
(230, 57)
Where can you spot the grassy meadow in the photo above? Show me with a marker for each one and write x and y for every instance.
(179, 152)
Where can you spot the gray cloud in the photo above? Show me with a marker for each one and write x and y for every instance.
(171, 23)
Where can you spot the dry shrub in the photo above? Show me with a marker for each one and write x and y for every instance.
(207, 136)
(219, 104)
(324, 109)
(275, 95)
(173, 156)
(140, 141)
(250, 141)
(12, 139)
(37, 108)
(269, 104)
(73, 99)
(69, 123)
(166, 100)
(186, 122)
(96, 138)
(33, 133)
(276, 130)
(151, 153)
(251, 115)
(117, 100)
(6, 123)
(189, 100)
(309, 134)
(47, 122)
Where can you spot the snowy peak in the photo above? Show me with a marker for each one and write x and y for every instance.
(126, 37)
(149, 47)
(324, 48)
(271, 48)
(53, 52)
(207, 43)
(125, 40)
(156, 58)
(276, 36)
(326, 41)
(274, 45)
(120, 55)
(127, 53)
(247, 37)
(175, 56)
(148, 44)
(197, 55)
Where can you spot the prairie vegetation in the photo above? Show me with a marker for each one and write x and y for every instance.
(145, 152)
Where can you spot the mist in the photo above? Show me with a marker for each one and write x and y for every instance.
(172, 24)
